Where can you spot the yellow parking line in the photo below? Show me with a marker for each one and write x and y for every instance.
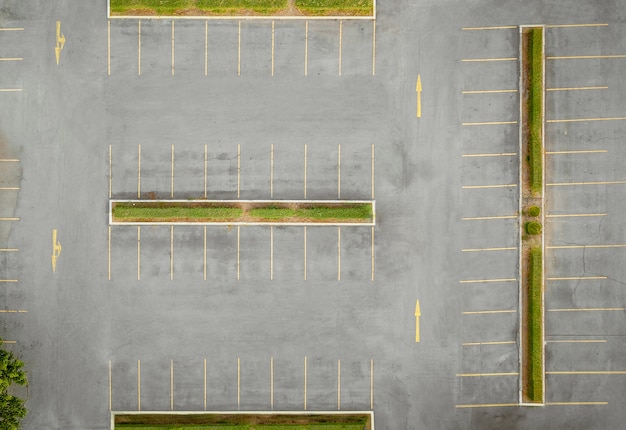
(577, 278)
(238, 170)
(373, 253)
(271, 383)
(206, 47)
(585, 119)
(501, 154)
(501, 27)
(238, 384)
(575, 25)
(586, 309)
(9, 188)
(589, 372)
(305, 381)
(584, 57)
(372, 171)
(487, 405)
(489, 123)
(10, 160)
(340, 44)
(339, 171)
(487, 91)
(471, 375)
(10, 90)
(477, 218)
(110, 387)
(139, 49)
(488, 249)
(577, 341)
(504, 311)
(506, 342)
(585, 151)
(8, 280)
(206, 165)
(205, 252)
(172, 48)
(481, 60)
(171, 253)
(205, 384)
(374, 48)
(239, 50)
(306, 48)
(372, 384)
(338, 384)
(272, 48)
(576, 88)
(576, 403)
(12, 29)
(171, 385)
(9, 250)
(305, 163)
(138, 385)
(564, 184)
(109, 253)
(139, 171)
(238, 249)
(476, 281)
(572, 215)
(109, 47)
(339, 253)
(271, 253)
(172, 181)
(9, 342)
(12, 311)
(474, 187)
(584, 246)
(9, 219)
(11, 59)
(305, 253)
(138, 252)
(110, 171)
(272, 171)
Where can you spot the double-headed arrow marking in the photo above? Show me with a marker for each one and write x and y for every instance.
(418, 313)
(418, 89)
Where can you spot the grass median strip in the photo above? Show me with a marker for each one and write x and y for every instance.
(535, 108)
(535, 311)
(241, 212)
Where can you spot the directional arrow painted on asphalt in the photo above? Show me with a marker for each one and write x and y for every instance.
(418, 313)
(56, 250)
(418, 89)
(60, 43)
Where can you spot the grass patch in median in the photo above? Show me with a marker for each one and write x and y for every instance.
(535, 108)
(242, 422)
(356, 211)
(147, 212)
(336, 7)
(535, 316)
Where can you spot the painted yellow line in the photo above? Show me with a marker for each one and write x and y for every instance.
(271, 383)
(505, 311)
(205, 384)
(204, 251)
(501, 27)
(576, 88)
(372, 171)
(11, 342)
(9, 219)
(338, 384)
(471, 375)
(487, 91)
(109, 253)
(476, 281)
(172, 48)
(305, 163)
(305, 253)
(586, 119)
(12, 311)
(480, 218)
(110, 171)
(10, 90)
(501, 154)
(475, 187)
(587, 151)
(572, 215)
(109, 47)
(272, 48)
(10, 160)
(139, 171)
(576, 403)
(305, 381)
(272, 171)
(271, 253)
(138, 252)
(487, 405)
(578, 341)
(139, 48)
(306, 49)
(9, 188)
(8, 280)
(171, 253)
(110, 388)
(340, 43)
(489, 123)
(482, 60)
(586, 309)
(239, 50)
(589, 372)
(339, 253)
(238, 248)
(584, 246)
(11, 59)
(206, 168)
(373, 253)
(206, 49)
(238, 383)
(12, 29)
(575, 25)
(577, 278)
(564, 184)
(172, 380)
(8, 250)
(372, 384)
(584, 57)
(138, 385)
(238, 170)
(488, 249)
(506, 342)
(339, 171)
(374, 48)
(172, 180)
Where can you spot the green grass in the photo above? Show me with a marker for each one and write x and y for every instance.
(128, 211)
(535, 319)
(175, 7)
(361, 211)
(241, 427)
(333, 7)
(535, 108)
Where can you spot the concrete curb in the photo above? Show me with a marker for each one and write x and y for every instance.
(240, 223)
(543, 205)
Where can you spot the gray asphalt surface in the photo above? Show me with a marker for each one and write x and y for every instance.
(255, 315)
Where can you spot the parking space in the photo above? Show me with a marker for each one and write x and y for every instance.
(159, 48)
(584, 236)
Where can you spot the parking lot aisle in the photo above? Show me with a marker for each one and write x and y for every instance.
(322, 254)
(188, 251)
(221, 253)
(288, 256)
(124, 385)
(124, 253)
(256, 48)
(254, 253)
(356, 253)
(155, 385)
(223, 37)
(323, 48)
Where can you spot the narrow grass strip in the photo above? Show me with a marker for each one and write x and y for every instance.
(535, 318)
(535, 108)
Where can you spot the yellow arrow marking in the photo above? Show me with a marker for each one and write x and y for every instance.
(60, 43)
(56, 250)
(418, 89)
(418, 313)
